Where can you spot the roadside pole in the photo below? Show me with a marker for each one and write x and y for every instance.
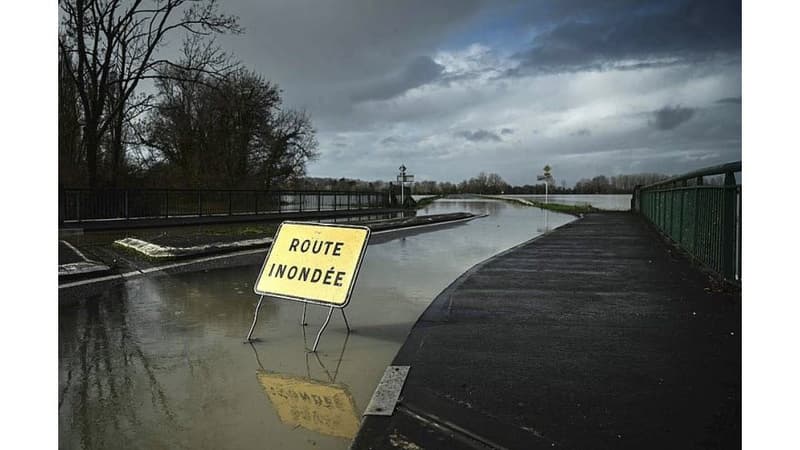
(546, 177)
(403, 178)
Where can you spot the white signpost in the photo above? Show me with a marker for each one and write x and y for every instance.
(547, 178)
(403, 178)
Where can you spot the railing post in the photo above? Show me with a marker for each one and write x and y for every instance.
(319, 201)
(739, 233)
(671, 225)
(301, 202)
(256, 205)
(61, 204)
(695, 223)
(230, 203)
(683, 203)
(127, 214)
(729, 226)
(166, 204)
(78, 205)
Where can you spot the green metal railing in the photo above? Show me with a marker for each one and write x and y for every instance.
(701, 212)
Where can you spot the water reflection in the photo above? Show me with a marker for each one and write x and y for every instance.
(322, 406)
(102, 369)
(546, 228)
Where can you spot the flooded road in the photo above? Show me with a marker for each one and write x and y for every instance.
(159, 362)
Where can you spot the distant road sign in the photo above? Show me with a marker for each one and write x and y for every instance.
(406, 178)
(313, 263)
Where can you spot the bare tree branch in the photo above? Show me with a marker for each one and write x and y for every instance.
(115, 44)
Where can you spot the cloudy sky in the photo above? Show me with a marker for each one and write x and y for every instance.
(454, 87)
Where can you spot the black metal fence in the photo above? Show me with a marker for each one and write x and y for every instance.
(701, 212)
(79, 205)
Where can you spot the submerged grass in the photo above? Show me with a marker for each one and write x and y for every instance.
(557, 207)
(427, 201)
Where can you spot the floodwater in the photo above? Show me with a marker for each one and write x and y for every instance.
(608, 202)
(159, 361)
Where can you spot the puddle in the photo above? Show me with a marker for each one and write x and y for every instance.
(159, 362)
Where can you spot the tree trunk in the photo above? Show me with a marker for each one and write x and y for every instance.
(117, 152)
(92, 142)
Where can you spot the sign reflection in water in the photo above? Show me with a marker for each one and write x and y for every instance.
(321, 406)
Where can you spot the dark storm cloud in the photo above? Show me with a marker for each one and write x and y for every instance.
(505, 131)
(733, 100)
(582, 132)
(420, 71)
(391, 140)
(641, 34)
(479, 136)
(327, 55)
(669, 117)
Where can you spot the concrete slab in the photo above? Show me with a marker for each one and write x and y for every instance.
(72, 263)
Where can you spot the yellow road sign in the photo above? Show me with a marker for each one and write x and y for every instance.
(321, 407)
(312, 262)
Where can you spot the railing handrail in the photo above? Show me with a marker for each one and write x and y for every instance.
(708, 171)
(82, 204)
(271, 191)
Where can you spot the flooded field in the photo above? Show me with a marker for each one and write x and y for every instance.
(159, 362)
(608, 202)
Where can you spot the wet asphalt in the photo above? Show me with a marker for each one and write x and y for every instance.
(597, 335)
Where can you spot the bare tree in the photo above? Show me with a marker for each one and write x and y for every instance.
(227, 131)
(290, 144)
(191, 117)
(110, 46)
(241, 109)
(70, 151)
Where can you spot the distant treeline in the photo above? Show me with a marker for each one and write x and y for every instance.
(492, 183)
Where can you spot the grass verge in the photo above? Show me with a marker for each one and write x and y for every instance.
(427, 201)
(575, 210)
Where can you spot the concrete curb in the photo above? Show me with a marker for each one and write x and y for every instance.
(156, 251)
(87, 266)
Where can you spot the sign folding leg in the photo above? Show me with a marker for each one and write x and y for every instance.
(345, 320)
(249, 337)
(327, 319)
(325, 325)
(255, 319)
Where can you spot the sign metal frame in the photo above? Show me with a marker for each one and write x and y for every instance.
(306, 301)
